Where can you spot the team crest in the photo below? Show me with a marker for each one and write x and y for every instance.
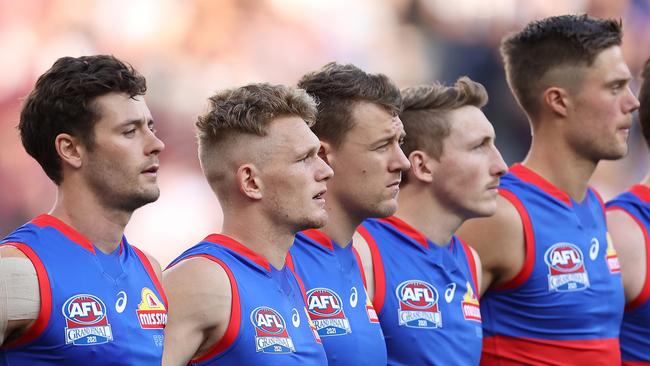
(151, 311)
(271, 334)
(418, 305)
(566, 268)
(470, 305)
(326, 312)
(612, 257)
(86, 321)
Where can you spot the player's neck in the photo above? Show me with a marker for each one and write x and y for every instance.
(265, 238)
(646, 180)
(82, 211)
(560, 166)
(418, 208)
(341, 223)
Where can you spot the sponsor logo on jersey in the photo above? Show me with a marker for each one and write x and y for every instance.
(612, 257)
(418, 305)
(312, 327)
(326, 312)
(370, 310)
(566, 268)
(470, 305)
(151, 311)
(271, 334)
(86, 321)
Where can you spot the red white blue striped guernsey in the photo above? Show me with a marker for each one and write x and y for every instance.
(93, 311)
(268, 323)
(566, 304)
(425, 295)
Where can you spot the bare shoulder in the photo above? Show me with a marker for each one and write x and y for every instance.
(199, 295)
(629, 241)
(154, 264)
(499, 241)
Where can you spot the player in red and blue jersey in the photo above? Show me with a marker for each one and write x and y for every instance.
(424, 280)
(232, 299)
(628, 219)
(554, 295)
(360, 133)
(73, 288)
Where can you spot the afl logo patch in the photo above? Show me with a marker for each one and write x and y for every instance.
(271, 334)
(566, 268)
(86, 321)
(418, 305)
(326, 312)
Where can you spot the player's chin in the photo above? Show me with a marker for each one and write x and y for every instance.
(316, 220)
(385, 208)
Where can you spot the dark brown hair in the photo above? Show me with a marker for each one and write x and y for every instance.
(62, 101)
(337, 87)
(547, 44)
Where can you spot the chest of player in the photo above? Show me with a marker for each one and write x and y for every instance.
(274, 326)
(92, 315)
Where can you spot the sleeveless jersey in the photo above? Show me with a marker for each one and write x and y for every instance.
(88, 313)
(566, 304)
(268, 322)
(635, 330)
(337, 301)
(425, 295)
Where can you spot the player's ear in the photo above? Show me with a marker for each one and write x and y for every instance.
(70, 149)
(557, 100)
(422, 166)
(249, 181)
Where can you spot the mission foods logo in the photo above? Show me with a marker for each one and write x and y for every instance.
(566, 268)
(86, 321)
(271, 334)
(418, 305)
(151, 311)
(470, 305)
(612, 257)
(326, 312)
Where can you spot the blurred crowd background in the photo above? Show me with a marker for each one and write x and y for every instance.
(189, 49)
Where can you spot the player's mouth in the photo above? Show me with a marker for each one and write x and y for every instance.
(320, 195)
(151, 170)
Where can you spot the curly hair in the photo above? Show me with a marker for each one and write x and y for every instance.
(62, 101)
(337, 87)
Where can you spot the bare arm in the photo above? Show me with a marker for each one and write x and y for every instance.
(19, 295)
(362, 248)
(199, 295)
(629, 242)
(479, 268)
(499, 241)
(155, 265)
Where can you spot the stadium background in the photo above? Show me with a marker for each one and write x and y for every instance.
(189, 49)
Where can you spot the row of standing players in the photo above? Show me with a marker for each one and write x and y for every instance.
(320, 261)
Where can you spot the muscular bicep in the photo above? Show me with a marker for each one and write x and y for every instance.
(199, 295)
(629, 242)
(499, 242)
(365, 255)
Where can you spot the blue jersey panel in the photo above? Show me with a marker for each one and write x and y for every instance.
(274, 328)
(635, 330)
(425, 294)
(337, 301)
(91, 311)
(567, 301)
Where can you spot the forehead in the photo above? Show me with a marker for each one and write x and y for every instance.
(290, 133)
(468, 123)
(608, 65)
(116, 108)
(371, 120)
